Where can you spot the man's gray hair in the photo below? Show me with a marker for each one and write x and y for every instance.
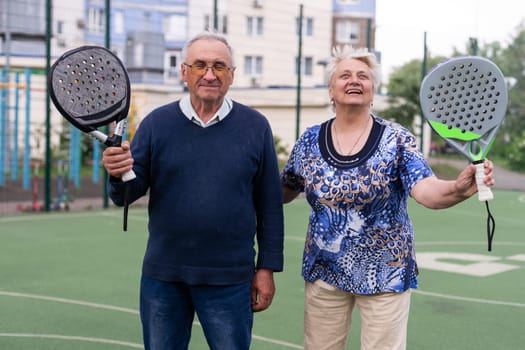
(206, 35)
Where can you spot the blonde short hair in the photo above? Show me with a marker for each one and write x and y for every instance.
(340, 53)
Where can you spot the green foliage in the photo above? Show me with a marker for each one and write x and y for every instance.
(281, 150)
(403, 91)
(516, 154)
(510, 143)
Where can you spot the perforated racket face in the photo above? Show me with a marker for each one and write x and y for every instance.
(90, 87)
(465, 98)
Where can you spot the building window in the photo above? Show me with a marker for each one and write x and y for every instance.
(119, 22)
(307, 66)
(347, 31)
(222, 25)
(308, 26)
(207, 22)
(175, 27)
(138, 58)
(253, 65)
(96, 20)
(349, 2)
(173, 69)
(254, 26)
(225, 24)
(60, 27)
(147, 21)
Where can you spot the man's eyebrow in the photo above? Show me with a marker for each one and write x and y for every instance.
(205, 61)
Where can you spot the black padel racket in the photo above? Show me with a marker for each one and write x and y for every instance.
(464, 99)
(90, 88)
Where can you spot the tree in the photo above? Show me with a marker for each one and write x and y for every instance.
(511, 138)
(511, 60)
(403, 91)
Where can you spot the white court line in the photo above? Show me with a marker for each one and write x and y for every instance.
(512, 244)
(120, 309)
(69, 301)
(67, 337)
(121, 343)
(278, 342)
(472, 300)
(54, 216)
(260, 338)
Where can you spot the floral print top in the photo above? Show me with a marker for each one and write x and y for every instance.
(359, 237)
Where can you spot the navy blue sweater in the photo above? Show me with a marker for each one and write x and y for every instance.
(211, 192)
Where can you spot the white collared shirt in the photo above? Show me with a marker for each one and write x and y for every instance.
(189, 112)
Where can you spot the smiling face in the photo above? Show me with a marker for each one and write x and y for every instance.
(352, 84)
(208, 88)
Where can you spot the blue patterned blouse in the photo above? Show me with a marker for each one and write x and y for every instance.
(360, 237)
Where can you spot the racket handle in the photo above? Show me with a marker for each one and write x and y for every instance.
(484, 192)
(128, 176)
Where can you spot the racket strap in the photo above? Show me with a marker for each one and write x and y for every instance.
(491, 226)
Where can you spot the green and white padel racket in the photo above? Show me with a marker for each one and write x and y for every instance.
(464, 99)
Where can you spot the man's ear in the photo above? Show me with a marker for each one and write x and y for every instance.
(183, 72)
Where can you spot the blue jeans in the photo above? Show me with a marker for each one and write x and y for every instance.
(167, 310)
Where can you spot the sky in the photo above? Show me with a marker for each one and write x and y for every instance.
(401, 24)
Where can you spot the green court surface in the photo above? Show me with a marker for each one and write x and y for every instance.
(69, 280)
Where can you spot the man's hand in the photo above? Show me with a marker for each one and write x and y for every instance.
(263, 290)
(117, 160)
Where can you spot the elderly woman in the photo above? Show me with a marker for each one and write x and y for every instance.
(357, 171)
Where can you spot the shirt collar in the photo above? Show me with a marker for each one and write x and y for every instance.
(189, 112)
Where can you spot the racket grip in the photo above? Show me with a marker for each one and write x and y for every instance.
(128, 176)
(484, 192)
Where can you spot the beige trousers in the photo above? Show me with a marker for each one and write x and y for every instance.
(328, 314)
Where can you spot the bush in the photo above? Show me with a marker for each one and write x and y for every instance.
(516, 154)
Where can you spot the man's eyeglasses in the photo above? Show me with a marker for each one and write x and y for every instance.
(200, 68)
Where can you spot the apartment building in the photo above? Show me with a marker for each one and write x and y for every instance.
(272, 40)
(148, 34)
